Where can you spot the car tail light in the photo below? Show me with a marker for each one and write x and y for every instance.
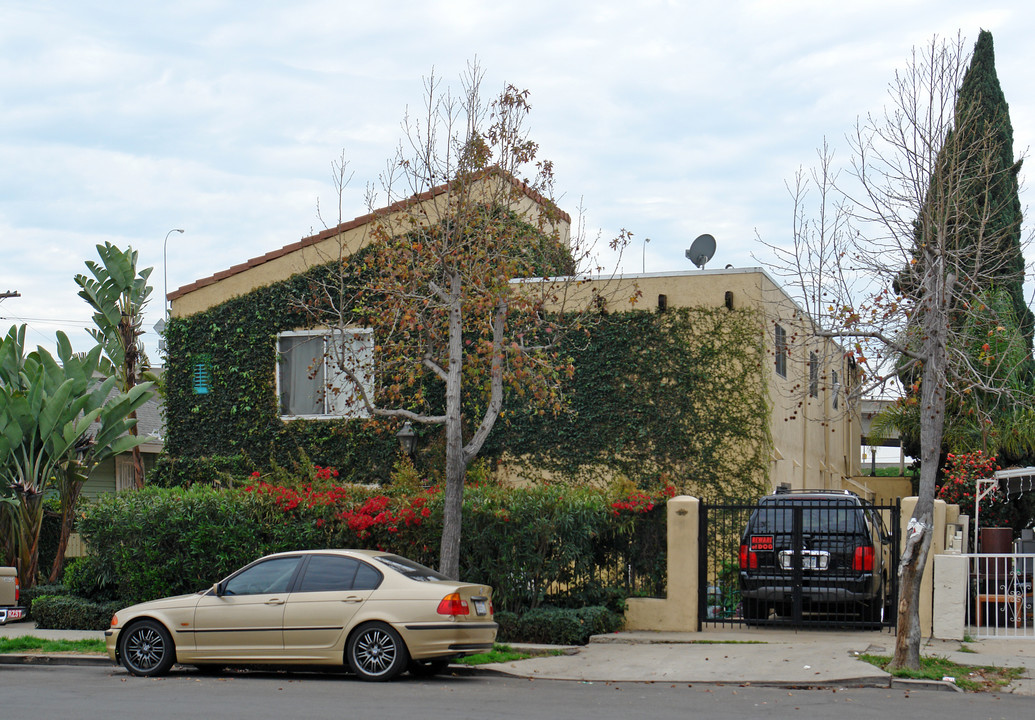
(452, 604)
(863, 560)
(748, 559)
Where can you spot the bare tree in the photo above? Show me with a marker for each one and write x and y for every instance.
(899, 260)
(470, 279)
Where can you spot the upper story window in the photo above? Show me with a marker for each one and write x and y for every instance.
(310, 380)
(835, 387)
(781, 351)
(813, 375)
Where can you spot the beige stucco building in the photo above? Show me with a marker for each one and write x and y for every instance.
(815, 431)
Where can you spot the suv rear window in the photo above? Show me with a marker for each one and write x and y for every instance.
(818, 516)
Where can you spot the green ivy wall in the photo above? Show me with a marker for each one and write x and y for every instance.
(678, 395)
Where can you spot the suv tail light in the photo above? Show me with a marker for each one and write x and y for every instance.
(748, 559)
(863, 560)
(452, 604)
(17, 589)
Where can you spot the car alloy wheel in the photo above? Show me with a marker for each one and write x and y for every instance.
(147, 649)
(376, 652)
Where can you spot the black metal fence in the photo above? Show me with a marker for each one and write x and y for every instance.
(799, 561)
(625, 557)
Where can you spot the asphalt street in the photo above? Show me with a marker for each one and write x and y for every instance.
(107, 693)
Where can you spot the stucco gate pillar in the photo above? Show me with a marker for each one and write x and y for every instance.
(677, 611)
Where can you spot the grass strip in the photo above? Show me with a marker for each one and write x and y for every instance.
(30, 643)
(501, 654)
(972, 678)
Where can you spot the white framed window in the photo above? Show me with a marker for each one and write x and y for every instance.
(310, 380)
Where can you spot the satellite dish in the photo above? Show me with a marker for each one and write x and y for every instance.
(701, 250)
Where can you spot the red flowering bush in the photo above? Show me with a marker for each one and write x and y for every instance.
(356, 516)
(962, 471)
(642, 502)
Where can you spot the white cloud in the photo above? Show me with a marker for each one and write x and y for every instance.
(122, 120)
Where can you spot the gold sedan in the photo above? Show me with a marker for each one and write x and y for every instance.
(378, 613)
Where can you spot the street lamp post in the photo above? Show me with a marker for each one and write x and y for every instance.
(165, 270)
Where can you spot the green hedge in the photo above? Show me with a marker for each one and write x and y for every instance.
(558, 626)
(56, 612)
(530, 544)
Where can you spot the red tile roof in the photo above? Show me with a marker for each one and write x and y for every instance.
(344, 227)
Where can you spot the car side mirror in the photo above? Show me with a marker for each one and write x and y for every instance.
(219, 589)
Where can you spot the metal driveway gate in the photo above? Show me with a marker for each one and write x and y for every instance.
(811, 567)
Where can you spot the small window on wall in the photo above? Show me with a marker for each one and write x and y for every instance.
(813, 375)
(311, 377)
(835, 387)
(781, 351)
(202, 377)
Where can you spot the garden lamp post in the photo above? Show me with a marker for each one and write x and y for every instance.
(407, 438)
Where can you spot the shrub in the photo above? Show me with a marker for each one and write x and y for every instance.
(217, 470)
(558, 626)
(571, 545)
(28, 596)
(65, 612)
(90, 578)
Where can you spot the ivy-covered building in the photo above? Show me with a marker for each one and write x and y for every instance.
(706, 382)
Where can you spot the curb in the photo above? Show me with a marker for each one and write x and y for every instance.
(469, 670)
(919, 684)
(55, 659)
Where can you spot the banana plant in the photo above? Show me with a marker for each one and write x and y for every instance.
(59, 418)
(118, 294)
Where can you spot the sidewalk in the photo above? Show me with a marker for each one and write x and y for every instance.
(756, 656)
(748, 656)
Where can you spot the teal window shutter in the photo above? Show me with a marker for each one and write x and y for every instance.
(203, 376)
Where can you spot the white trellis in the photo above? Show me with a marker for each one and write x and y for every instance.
(1011, 482)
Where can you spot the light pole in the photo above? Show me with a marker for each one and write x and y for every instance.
(165, 270)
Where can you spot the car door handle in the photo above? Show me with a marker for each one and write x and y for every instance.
(274, 601)
(352, 599)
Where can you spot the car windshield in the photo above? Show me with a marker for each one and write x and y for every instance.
(817, 516)
(412, 570)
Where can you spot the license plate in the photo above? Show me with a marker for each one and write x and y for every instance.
(480, 607)
(11, 614)
(810, 560)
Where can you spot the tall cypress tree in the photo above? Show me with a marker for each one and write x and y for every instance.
(981, 100)
(974, 188)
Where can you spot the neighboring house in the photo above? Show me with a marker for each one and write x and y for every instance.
(247, 375)
(116, 474)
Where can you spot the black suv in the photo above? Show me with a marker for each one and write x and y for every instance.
(814, 551)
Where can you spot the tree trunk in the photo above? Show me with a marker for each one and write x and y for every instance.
(131, 360)
(456, 462)
(27, 523)
(932, 425)
(70, 492)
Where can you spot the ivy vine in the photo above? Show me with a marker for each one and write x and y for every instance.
(678, 396)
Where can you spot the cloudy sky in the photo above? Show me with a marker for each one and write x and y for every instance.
(120, 121)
